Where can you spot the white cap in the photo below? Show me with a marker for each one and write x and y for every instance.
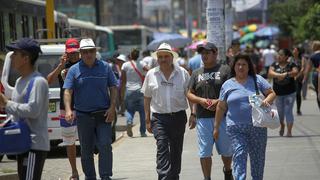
(164, 47)
(122, 57)
(273, 46)
(87, 44)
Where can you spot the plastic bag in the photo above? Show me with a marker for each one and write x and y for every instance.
(263, 116)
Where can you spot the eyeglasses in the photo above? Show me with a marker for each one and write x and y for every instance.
(87, 51)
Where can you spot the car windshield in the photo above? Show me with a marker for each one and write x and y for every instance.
(45, 64)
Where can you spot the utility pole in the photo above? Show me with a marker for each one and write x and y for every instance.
(216, 25)
(199, 14)
(50, 19)
(140, 11)
(172, 25)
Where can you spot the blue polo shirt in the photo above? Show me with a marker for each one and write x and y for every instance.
(90, 85)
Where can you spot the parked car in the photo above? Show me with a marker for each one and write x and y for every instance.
(46, 62)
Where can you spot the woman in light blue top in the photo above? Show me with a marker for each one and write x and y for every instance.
(234, 103)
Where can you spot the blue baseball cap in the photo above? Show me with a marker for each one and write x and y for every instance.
(26, 44)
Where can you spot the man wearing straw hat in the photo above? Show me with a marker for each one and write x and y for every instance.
(165, 89)
(90, 79)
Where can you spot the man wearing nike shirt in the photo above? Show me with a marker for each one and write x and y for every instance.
(204, 89)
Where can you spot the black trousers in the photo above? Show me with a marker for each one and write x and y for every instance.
(30, 164)
(298, 94)
(315, 84)
(168, 130)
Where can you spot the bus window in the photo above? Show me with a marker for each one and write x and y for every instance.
(35, 26)
(13, 28)
(2, 41)
(102, 41)
(25, 26)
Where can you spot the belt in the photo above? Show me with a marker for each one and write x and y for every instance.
(169, 114)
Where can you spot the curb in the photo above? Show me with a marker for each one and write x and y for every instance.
(9, 176)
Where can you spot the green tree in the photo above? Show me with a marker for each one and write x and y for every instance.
(288, 14)
(309, 25)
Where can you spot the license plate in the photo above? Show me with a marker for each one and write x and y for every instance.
(52, 107)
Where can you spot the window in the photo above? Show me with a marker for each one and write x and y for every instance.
(35, 27)
(25, 26)
(2, 40)
(13, 28)
(44, 65)
(127, 37)
(102, 41)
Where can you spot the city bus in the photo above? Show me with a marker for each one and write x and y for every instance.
(102, 35)
(21, 18)
(127, 37)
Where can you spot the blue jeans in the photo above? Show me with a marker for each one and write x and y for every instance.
(285, 107)
(134, 102)
(94, 131)
(248, 140)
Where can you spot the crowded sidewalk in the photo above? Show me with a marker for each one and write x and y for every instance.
(293, 158)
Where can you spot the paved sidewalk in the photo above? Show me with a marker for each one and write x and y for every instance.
(293, 158)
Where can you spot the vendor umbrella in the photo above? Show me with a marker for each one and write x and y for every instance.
(175, 40)
(267, 31)
(247, 37)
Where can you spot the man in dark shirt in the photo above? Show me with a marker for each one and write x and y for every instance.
(204, 89)
(68, 130)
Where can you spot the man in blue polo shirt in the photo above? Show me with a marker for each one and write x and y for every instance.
(90, 80)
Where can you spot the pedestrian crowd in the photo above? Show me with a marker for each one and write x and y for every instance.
(160, 86)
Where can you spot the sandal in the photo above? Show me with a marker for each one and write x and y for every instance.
(281, 132)
(74, 177)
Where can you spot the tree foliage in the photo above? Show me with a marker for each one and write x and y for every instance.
(299, 19)
(309, 25)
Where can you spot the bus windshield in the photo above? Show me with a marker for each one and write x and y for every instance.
(127, 37)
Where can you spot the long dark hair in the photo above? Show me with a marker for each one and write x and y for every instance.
(245, 57)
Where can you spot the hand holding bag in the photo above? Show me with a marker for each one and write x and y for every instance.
(263, 116)
(15, 137)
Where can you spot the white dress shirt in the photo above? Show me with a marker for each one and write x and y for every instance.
(166, 95)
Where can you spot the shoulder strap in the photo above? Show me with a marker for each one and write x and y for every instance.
(256, 84)
(29, 88)
(137, 71)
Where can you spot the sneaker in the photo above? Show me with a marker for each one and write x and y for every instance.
(129, 130)
(144, 135)
(228, 174)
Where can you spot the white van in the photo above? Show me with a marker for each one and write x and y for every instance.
(46, 62)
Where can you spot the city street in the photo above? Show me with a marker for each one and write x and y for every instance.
(293, 158)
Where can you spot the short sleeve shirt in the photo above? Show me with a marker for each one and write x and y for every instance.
(166, 95)
(236, 96)
(134, 81)
(315, 59)
(206, 83)
(287, 85)
(90, 85)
